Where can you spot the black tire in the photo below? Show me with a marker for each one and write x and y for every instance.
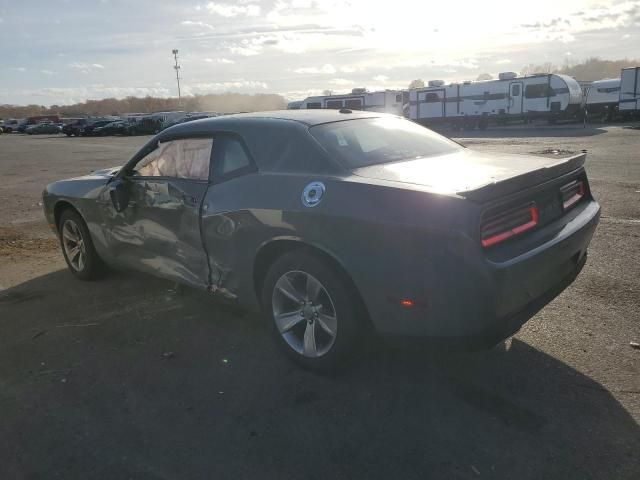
(92, 267)
(347, 310)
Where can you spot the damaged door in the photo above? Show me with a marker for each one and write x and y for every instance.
(225, 227)
(159, 230)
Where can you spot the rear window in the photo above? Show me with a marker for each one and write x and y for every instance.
(363, 142)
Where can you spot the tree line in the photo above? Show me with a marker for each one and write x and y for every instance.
(221, 103)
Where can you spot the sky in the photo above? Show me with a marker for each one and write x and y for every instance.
(67, 51)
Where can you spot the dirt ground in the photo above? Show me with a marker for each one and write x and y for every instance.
(127, 378)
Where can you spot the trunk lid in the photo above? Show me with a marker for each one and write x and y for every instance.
(480, 177)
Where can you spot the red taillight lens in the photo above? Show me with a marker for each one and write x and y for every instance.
(498, 228)
(572, 193)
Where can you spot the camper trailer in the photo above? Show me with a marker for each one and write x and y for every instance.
(629, 105)
(602, 98)
(471, 104)
(388, 101)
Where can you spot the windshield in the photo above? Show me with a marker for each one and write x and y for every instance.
(370, 141)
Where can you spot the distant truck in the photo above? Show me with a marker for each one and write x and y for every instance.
(629, 106)
(387, 101)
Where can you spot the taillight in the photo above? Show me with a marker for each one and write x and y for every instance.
(505, 225)
(572, 193)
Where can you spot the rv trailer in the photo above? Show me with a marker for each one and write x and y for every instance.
(471, 104)
(602, 98)
(388, 101)
(630, 92)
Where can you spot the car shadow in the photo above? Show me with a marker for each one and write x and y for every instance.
(130, 377)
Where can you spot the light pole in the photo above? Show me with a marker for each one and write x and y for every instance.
(177, 69)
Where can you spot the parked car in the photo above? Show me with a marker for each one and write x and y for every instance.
(88, 129)
(74, 127)
(185, 120)
(41, 128)
(10, 125)
(22, 126)
(113, 128)
(335, 222)
(146, 126)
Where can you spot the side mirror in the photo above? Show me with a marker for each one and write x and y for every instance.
(119, 193)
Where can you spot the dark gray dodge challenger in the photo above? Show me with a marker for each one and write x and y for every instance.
(334, 222)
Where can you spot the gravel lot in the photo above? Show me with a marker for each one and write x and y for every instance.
(127, 378)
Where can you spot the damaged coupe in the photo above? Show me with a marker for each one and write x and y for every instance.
(334, 223)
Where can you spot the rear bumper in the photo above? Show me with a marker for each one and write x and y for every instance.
(506, 326)
(473, 301)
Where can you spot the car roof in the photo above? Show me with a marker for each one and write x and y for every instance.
(307, 117)
(277, 140)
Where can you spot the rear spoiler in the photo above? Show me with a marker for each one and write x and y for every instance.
(502, 188)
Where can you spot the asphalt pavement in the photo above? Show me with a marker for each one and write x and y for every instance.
(127, 377)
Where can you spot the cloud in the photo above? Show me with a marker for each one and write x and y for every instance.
(48, 72)
(18, 69)
(237, 85)
(341, 81)
(191, 23)
(86, 67)
(219, 60)
(381, 78)
(614, 16)
(245, 51)
(228, 10)
(325, 69)
(504, 61)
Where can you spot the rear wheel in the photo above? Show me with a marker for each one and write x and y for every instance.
(77, 247)
(311, 312)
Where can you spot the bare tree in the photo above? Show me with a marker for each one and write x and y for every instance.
(327, 92)
(485, 76)
(546, 67)
(417, 83)
(223, 103)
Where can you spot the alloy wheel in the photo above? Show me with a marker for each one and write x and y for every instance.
(73, 244)
(304, 314)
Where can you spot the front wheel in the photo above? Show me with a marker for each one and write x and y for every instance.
(312, 311)
(77, 247)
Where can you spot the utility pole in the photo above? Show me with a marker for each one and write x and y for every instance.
(177, 69)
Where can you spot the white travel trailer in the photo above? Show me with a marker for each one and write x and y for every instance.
(630, 91)
(602, 98)
(470, 104)
(388, 101)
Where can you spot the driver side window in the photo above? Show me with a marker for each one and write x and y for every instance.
(187, 158)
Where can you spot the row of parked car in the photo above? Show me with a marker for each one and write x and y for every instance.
(85, 127)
